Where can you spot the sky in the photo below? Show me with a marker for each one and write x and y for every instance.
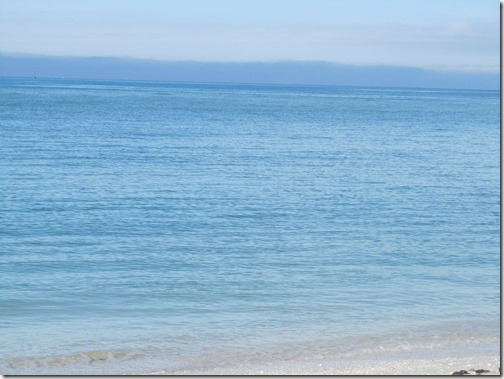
(460, 35)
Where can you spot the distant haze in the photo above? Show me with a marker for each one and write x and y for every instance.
(448, 35)
(280, 72)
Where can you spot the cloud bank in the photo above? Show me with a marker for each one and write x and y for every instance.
(277, 72)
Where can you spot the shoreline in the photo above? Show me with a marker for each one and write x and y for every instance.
(441, 360)
(475, 358)
(351, 357)
(390, 366)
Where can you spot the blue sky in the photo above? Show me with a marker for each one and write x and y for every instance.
(460, 35)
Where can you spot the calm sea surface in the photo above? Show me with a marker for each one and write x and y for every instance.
(164, 226)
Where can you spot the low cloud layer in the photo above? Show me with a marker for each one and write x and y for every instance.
(427, 34)
(280, 72)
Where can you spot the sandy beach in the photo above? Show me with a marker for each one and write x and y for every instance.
(477, 359)
(444, 366)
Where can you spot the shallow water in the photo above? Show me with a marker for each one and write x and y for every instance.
(149, 225)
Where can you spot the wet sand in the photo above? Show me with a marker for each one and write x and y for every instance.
(444, 366)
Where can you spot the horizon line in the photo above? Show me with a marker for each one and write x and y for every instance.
(242, 83)
(442, 68)
(251, 72)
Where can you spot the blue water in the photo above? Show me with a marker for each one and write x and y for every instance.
(165, 226)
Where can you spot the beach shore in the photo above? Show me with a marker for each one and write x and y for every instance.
(443, 366)
(469, 358)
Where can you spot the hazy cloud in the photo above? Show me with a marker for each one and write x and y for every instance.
(461, 33)
(283, 72)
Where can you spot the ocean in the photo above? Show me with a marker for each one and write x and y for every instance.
(175, 227)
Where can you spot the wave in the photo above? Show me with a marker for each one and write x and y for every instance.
(80, 361)
(182, 355)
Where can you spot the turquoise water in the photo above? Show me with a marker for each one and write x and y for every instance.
(151, 226)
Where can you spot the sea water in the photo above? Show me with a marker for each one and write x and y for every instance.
(151, 226)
